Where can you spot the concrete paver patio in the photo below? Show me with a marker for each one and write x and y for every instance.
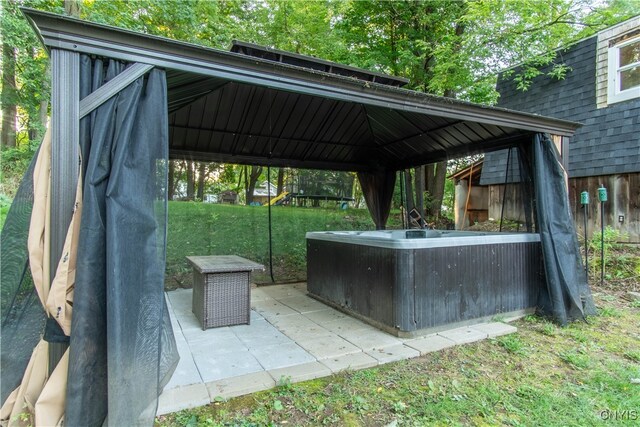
(292, 337)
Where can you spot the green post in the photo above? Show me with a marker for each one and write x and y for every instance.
(602, 196)
(584, 200)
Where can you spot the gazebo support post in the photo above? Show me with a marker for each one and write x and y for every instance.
(65, 164)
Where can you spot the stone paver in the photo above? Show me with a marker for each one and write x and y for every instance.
(282, 291)
(281, 355)
(258, 295)
(186, 372)
(272, 309)
(181, 300)
(303, 304)
(188, 321)
(327, 315)
(346, 324)
(237, 386)
(260, 335)
(350, 362)
(393, 353)
(184, 397)
(303, 329)
(254, 316)
(215, 367)
(297, 323)
(429, 344)
(291, 337)
(209, 335)
(495, 329)
(328, 346)
(218, 344)
(369, 339)
(301, 286)
(463, 335)
(304, 372)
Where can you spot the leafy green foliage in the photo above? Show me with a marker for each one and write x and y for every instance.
(13, 163)
(31, 69)
(503, 33)
(620, 261)
(5, 203)
(445, 47)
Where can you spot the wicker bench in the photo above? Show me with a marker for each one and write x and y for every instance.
(221, 289)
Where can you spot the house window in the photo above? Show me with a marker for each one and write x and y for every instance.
(624, 71)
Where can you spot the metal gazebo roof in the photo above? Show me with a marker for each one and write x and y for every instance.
(230, 107)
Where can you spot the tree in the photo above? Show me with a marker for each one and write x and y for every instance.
(418, 40)
(25, 86)
(445, 47)
(280, 185)
(9, 96)
(457, 48)
(251, 174)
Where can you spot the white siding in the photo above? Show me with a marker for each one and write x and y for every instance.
(604, 37)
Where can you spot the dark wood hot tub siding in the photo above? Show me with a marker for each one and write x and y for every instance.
(413, 289)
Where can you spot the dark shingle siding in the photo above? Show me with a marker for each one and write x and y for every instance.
(609, 140)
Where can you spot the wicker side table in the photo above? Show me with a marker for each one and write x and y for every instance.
(222, 289)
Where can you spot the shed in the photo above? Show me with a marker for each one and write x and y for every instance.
(470, 204)
(125, 102)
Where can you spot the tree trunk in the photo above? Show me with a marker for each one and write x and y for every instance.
(41, 125)
(37, 123)
(8, 96)
(255, 173)
(409, 190)
(191, 183)
(202, 169)
(429, 173)
(245, 170)
(280, 181)
(419, 178)
(438, 195)
(72, 8)
(37, 118)
(436, 175)
(171, 185)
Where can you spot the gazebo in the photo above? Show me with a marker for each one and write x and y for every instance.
(125, 102)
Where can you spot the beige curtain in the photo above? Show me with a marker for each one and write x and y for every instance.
(40, 397)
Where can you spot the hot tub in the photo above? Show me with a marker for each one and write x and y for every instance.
(414, 281)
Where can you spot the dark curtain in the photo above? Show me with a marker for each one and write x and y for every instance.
(22, 314)
(122, 349)
(377, 188)
(567, 296)
(525, 171)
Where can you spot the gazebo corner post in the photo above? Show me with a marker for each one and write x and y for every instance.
(65, 162)
(564, 152)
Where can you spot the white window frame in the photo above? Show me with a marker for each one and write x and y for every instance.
(613, 93)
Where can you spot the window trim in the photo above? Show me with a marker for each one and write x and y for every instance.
(613, 69)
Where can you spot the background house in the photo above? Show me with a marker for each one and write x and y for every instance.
(471, 204)
(263, 191)
(601, 90)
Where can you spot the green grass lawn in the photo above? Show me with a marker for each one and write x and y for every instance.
(543, 375)
(215, 229)
(581, 375)
(3, 215)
